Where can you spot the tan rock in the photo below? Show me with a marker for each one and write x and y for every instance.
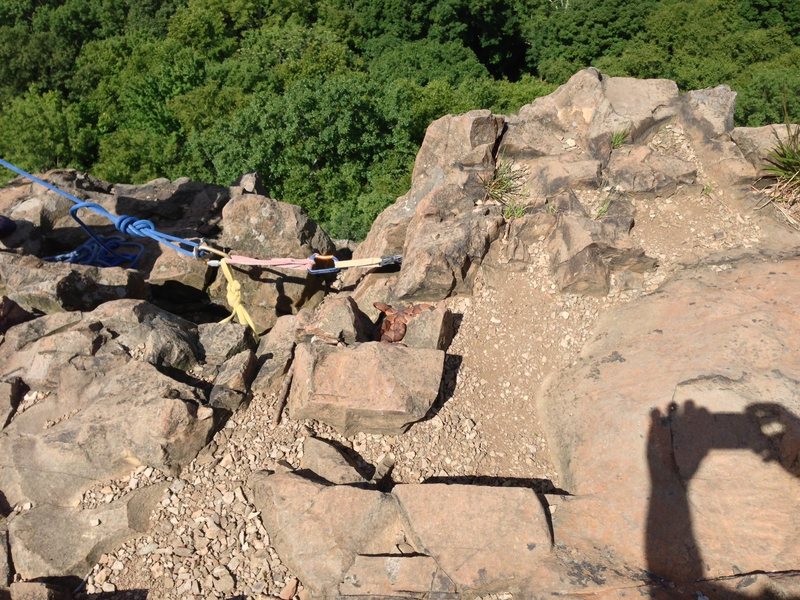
(678, 431)
(56, 541)
(384, 576)
(756, 143)
(639, 169)
(710, 111)
(318, 530)
(371, 387)
(436, 213)
(430, 329)
(29, 590)
(585, 251)
(322, 458)
(338, 319)
(484, 538)
(588, 110)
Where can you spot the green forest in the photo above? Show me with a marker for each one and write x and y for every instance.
(329, 99)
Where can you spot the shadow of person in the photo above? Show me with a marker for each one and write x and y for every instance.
(678, 441)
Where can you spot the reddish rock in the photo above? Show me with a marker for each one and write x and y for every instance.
(319, 530)
(678, 432)
(371, 387)
(484, 538)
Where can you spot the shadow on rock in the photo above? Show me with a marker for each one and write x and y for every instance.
(678, 443)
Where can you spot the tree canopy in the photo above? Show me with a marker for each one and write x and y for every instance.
(329, 99)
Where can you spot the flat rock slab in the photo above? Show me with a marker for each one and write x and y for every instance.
(371, 387)
(420, 541)
(678, 432)
(483, 537)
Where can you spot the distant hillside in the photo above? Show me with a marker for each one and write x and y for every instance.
(329, 99)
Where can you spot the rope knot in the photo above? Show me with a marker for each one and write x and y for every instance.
(133, 226)
(234, 294)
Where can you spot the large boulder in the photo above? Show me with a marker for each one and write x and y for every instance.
(57, 541)
(265, 228)
(585, 251)
(372, 387)
(436, 226)
(421, 541)
(756, 143)
(577, 121)
(79, 423)
(678, 431)
(48, 287)
(261, 227)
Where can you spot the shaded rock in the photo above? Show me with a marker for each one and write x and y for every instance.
(11, 393)
(275, 352)
(268, 294)
(221, 341)
(374, 287)
(432, 328)
(232, 384)
(29, 590)
(12, 314)
(5, 563)
(455, 155)
(484, 538)
(552, 174)
(756, 143)
(690, 396)
(710, 111)
(100, 402)
(338, 319)
(51, 287)
(56, 541)
(319, 530)
(513, 250)
(323, 459)
(381, 576)
(447, 240)
(639, 169)
(585, 251)
(372, 387)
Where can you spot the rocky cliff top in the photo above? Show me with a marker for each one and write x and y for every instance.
(586, 385)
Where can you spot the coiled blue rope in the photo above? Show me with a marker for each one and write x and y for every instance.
(104, 251)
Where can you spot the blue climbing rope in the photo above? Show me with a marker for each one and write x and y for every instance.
(104, 251)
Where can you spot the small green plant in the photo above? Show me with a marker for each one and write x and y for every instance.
(783, 163)
(506, 188)
(707, 189)
(619, 137)
(602, 211)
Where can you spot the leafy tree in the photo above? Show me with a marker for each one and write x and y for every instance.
(35, 131)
